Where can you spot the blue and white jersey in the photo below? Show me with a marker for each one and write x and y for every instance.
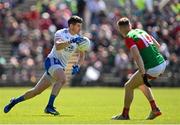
(64, 54)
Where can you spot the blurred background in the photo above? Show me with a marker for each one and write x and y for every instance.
(27, 28)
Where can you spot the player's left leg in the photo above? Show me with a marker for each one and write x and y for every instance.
(153, 73)
(42, 84)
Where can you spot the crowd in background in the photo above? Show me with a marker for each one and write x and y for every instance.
(31, 33)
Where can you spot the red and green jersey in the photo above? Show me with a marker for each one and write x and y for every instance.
(148, 51)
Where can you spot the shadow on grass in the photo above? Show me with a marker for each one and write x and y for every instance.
(48, 115)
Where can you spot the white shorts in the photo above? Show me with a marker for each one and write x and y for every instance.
(53, 68)
(158, 70)
(51, 65)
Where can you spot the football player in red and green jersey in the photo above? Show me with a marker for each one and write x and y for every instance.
(151, 64)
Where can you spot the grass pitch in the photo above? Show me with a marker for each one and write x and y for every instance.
(90, 105)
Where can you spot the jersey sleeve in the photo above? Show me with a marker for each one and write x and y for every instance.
(129, 43)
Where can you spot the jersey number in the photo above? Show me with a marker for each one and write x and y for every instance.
(147, 40)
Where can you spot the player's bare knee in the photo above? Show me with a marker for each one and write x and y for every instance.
(62, 81)
(36, 92)
(127, 85)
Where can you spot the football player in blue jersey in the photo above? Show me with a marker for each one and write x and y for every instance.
(65, 44)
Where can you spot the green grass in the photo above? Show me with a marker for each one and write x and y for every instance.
(90, 105)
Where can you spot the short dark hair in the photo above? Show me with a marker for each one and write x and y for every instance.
(124, 21)
(74, 20)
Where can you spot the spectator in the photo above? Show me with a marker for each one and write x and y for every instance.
(30, 32)
(2, 68)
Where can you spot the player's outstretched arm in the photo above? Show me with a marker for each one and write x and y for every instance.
(136, 55)
(61, 44)
(138, 59)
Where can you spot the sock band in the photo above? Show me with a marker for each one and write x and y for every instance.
(125, 112)
(51, 100)
(153, 104)
(19, 99)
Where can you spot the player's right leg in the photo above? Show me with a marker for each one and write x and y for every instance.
(155, 111)
(43, 83)
(153, 73)
(135, 80)
(60, 78)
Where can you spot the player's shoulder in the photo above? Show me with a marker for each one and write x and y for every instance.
(140, 31)
(134, 33)
(62, 31)
(131, 33)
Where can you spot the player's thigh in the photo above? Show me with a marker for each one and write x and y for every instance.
(134, 81)
(59, 75)
(43, 83)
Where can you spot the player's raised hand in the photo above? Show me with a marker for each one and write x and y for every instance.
(75, 69)
(77, 40)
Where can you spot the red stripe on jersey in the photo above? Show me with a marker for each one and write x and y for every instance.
(140, 44)
(129, 42)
